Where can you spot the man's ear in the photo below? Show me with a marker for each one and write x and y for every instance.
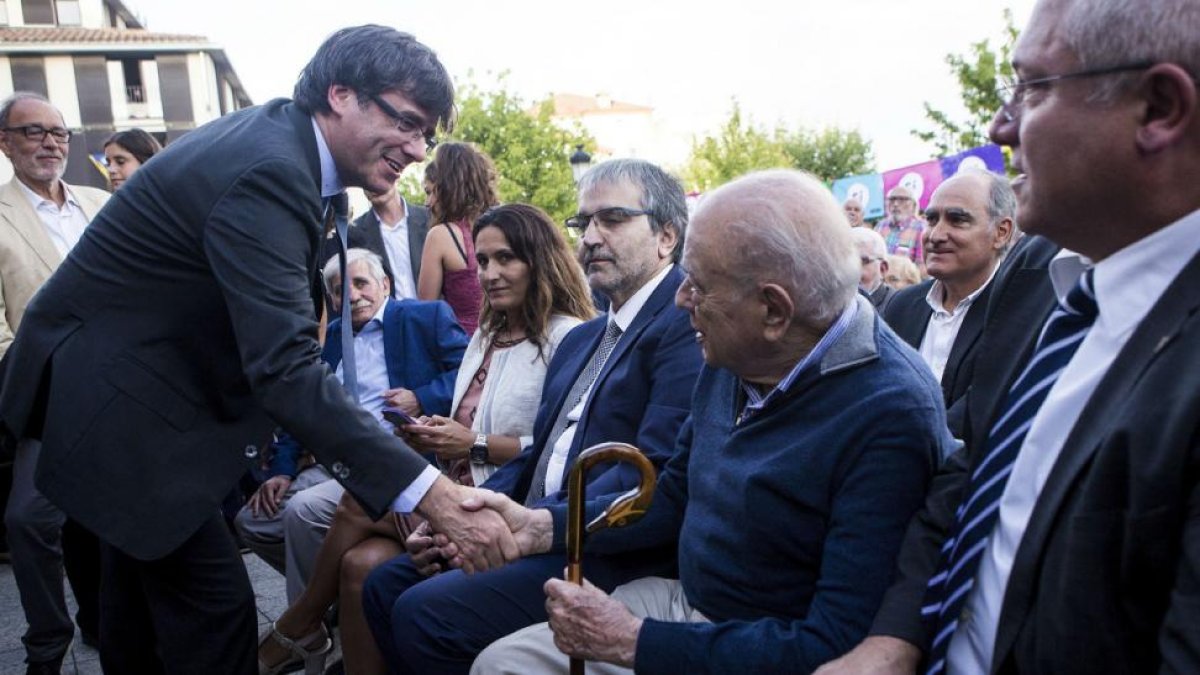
(1004, 232)
(668, 235)
(340, 97)
(779, 310)
(1170, 114)
(883, 267)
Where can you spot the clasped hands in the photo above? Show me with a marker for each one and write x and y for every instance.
(475, 530)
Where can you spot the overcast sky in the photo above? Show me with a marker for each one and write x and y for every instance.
(857, 64)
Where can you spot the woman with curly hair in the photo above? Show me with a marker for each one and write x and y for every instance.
(460, 184)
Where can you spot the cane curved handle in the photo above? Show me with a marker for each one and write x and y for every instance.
(623, 510)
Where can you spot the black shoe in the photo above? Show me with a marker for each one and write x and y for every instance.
(52, 667)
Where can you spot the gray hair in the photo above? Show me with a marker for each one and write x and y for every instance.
(790, 230)
(7, 105)
(662, 193)
(871, 239)
(1104, 33)
(374, 263)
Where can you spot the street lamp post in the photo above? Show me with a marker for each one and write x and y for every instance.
(581, 161)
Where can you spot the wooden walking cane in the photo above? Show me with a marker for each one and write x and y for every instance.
(623, 510)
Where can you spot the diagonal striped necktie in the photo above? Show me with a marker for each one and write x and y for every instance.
(948, 589)
(337, 207)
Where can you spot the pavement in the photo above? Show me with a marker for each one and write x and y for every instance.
(269, 594)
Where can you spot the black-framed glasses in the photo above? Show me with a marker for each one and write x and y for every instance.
(608, 218)
(868, 259)
(37, 132)
(1012, 92)
(407, 123)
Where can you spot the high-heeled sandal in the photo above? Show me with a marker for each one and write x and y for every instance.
(311, 650)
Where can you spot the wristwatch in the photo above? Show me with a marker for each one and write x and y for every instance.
(479, 451)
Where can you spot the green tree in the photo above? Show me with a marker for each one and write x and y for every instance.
(979, 73)
(740, 147)
(829, 153)
(530, 151)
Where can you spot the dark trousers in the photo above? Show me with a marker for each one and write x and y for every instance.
(81, 559)
(440, 624)
(189, 612)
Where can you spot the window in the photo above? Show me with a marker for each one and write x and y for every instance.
(135, 92)
(68, 13)
(38, 12)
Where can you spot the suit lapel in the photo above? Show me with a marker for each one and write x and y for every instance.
(15, 208)
(1156, 331)
(662, 297)
(393, 343)
(968, 334)
(418, 227)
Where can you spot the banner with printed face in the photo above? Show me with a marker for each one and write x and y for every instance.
(983, 158)
(867, 189)
(920, 179)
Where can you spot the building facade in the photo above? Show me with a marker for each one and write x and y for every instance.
(99, 65)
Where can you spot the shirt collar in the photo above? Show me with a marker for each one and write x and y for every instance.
(375, 323)
(399, 223)
(629, 311)
(331, 184)
(756, 401)
(1129, 282)
(938, 291)
(36, 200)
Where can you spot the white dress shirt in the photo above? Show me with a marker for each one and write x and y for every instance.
(943, 326)
(623, 318)
(1127, 283)
(395, 242)
(371, 365)
(64, 224)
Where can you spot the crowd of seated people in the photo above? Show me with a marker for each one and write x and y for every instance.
(961, 441)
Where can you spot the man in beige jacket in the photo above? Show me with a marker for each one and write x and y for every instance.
(41, 219)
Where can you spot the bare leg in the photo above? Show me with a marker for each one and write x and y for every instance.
(351, 525)
(360, 656)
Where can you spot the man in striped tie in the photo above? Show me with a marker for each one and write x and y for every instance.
(1066, 537)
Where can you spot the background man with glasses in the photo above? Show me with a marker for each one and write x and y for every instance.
(902, 230)
(1066, 538)
(41, 220)
(626, 376)
(155, 363)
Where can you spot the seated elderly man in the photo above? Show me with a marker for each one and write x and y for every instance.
(408, 356)
(813, 435)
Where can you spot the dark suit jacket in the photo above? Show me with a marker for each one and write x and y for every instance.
(366, 232)
(641, 396)
(1105, 578)
(181, 330)
(423, 346)
(908, 314)
(881, 298)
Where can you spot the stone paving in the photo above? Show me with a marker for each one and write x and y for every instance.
(269, 594)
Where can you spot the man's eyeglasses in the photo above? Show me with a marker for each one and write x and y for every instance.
(608, 219)
(899, 199)
(37, 132)
(867, 260)
(407, 123)
(1012, 92)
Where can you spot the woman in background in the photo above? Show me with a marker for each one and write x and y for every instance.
(460, 184)
(125, 152)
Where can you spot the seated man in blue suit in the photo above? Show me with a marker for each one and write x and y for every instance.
(625, 376)
(813, 435)
(408, 355)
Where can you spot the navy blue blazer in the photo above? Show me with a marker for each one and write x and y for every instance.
(422, 346)
(642, 395)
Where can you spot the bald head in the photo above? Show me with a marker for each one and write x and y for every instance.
(783, 227)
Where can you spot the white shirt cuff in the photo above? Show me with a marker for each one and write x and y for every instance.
(415, 492)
